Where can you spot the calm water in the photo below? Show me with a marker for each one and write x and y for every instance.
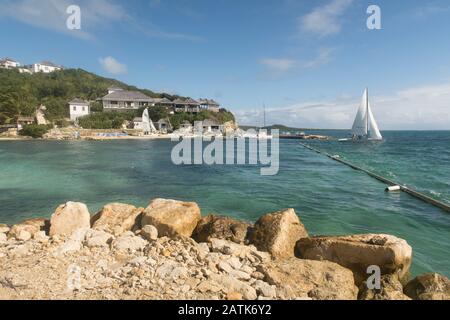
(36, 176)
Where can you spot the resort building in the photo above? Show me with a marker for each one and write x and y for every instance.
(210, 105)
(123, 100)
(164, 126)
(188, 105)
(22, 121)
(45, 67)
(78, 108)
(8, 63)
(211, 126)
(138, 124)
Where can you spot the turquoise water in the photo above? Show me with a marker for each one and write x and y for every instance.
(332, 199)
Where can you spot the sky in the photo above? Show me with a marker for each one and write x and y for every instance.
(306, 61)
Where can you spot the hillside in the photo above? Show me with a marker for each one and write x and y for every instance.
(20, 94)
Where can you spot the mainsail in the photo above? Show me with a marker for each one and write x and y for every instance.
(147, 123)
(365, 125)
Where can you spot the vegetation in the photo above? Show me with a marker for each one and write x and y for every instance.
(21, 94)
(223, 116)
(34, 130)
(105, 120)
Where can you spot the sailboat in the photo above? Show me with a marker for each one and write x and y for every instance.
(365, 127)
(147, 123)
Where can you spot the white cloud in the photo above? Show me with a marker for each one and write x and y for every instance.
(51, 14)
(421, 108)
(277, 67)
(113, 66)
(325, 20)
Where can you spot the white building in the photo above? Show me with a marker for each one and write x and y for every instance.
(8, 63)
(78, 108)
(45, 67)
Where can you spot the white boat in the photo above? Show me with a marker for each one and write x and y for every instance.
(365, 127)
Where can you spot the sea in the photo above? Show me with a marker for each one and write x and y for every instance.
(330, 198)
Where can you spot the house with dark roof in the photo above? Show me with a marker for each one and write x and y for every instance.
(210, 126)
(209, 104)
(124, 100)
(188, 105)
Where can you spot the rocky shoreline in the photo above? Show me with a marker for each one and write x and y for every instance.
(169, 251)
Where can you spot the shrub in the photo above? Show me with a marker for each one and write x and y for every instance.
(34, 130)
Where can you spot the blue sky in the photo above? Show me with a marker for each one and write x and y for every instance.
(306, 61)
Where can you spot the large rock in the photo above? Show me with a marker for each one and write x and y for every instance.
(219, 227)
(68, 218)
(98, 238)
(278, 232)
(429, 286)
(28, 228)
(318, 280)
(172, 218)
(358, 252)
(116, 218)
(390, 289)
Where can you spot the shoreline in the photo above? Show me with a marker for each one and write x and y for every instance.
(169, 251)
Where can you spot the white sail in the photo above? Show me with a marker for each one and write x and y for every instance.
(374, 132)
(360, 124)
(147, 123)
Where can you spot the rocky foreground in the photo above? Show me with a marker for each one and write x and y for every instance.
(168, 251)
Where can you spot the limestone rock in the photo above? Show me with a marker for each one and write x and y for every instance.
(68, 218)
(116, 218)
(149, 232)
(237, 250)
(429, 286)
(219, 227)
(73, 243)
(25, 230)
(234, 296)
(390, 289)
(319, 280)
(98, 238)
(277, 233)
(358, 252)
(172, 218)
(129, 242)
(3, 238)
(4, 228)
(230, 284)
(264, 289)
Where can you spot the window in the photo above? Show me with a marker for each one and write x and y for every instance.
(84, 109)
(74, 108)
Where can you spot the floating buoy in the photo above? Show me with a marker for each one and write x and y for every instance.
(393, 188)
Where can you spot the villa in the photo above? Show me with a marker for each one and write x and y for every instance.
(210, 105)
(22, 121)
(8, 63)
(163, 125)
(78, 108)
(45, 67)
(188, 105)
(123, 100)
(210, 126)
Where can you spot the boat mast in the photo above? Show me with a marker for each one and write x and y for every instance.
(264, 107)
(367, 110)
